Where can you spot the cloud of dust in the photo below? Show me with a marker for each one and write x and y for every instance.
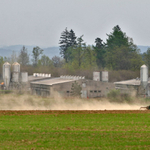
(31, 102)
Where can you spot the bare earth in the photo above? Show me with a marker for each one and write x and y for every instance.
(49, 112)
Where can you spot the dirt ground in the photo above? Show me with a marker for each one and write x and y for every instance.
(48, 112)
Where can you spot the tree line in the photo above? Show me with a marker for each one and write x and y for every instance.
(117, 53)
(38, 59)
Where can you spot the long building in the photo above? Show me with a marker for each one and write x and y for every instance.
(89, 88)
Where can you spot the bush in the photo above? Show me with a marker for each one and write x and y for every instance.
(116, 96)
(113, 93)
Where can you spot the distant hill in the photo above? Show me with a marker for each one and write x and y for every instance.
(143, 48)
(6, 51)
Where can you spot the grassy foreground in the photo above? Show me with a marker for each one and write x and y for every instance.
(71, 130)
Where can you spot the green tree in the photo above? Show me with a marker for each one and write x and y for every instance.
(136, 61)
(1, 60)
(116, 38)
(100, 52)
(121, 53)
(23, 57)
(1, 65)
(81, 56)
(89, 59)
(146, 57)
(121, 58)
(67, 39)
(72, 38)
(45, 61)
(78, 52)
(37, 51)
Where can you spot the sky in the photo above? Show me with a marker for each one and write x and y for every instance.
(41, 22)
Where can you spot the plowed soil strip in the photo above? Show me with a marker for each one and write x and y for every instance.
(40, 112)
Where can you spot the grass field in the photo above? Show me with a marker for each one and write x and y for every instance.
(75, 130)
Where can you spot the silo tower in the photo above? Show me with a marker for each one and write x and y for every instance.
(144, 76)
(15, 72)
(6, 74)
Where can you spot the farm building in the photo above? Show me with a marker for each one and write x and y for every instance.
(141, 86)
(44, 85)
(89, 88)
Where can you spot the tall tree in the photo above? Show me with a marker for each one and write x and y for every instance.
(146, 57)
(23, 57)
(100, 52)
(72, 38)
(64, 44)
(37, 51)
(67, 39)
(79, 50)
(117, 38)
(121, 53)
(1, 65)
(77, 54)
(89, 59)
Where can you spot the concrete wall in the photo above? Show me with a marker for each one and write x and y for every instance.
(39, 89)
(98, 88)
(90, 88)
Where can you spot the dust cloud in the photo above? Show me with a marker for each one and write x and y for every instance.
(31, 102)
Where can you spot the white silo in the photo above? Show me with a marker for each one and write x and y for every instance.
(104, 76)
(15, 76)
(15, 67)
(6, 74)
(144, 76)
(24, 77)
(96, 76)
(15, 72)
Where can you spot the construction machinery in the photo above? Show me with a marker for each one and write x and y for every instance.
(145, 108)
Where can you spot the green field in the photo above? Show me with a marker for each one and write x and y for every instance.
(75, 130)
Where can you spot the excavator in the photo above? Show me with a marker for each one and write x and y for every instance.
(145, 108)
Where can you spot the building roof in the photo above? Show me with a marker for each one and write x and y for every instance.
(52, 81)
(34, 78)
(129, 82)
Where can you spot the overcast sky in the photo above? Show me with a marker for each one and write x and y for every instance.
(40, 22)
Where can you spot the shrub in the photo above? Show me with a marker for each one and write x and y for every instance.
(116, 96)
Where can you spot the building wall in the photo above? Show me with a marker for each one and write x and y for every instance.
(97, 88)
(90, 88)
(39, 89)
